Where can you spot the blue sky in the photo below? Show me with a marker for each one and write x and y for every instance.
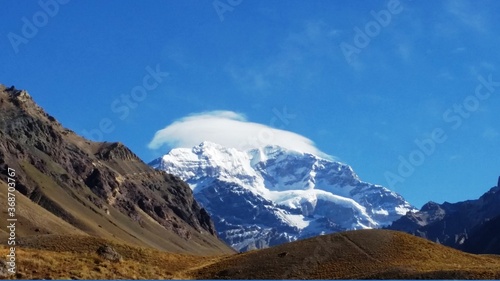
(364, 80)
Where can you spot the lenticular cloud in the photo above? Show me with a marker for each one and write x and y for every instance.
(229, 129)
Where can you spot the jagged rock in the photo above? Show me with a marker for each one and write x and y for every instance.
(283, 254)
(453, 224)
(3, 269)
(108, 253)
(117, 150)
(100, 176)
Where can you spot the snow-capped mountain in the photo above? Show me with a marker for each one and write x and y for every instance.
(271, 195)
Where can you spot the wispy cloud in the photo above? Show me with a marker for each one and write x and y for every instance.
(229, 129)
(445, 74)
(466, 14)
(460, 19)
(298, 50)
(404, 51)
(458, 50)
(381, 136)
(491, 134)
(250, 78)
(488, 66)
(479, 68)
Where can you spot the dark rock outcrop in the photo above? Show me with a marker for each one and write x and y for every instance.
(470, 225)
(484, 238)
(3, 269)
(108, 253)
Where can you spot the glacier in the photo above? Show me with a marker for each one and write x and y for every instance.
(271, 195)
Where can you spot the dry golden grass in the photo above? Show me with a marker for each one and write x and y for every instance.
(364, 254)
(41, 264)
(74, 257)
(354, 255)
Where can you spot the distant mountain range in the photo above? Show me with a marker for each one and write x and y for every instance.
(272, 195)
(472, 225)
(68, 185)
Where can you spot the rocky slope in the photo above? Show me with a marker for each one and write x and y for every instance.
(271, 195)
(466, 225)
(102, 189)
(484, 238)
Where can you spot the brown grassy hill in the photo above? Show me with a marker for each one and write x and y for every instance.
(363, 254)
(75, 257)
(93, 188)
(355, 254)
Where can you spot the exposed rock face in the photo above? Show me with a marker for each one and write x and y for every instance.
(104, 177)
(3, 269)
(484, 238)
(454, 224)
(108, 253)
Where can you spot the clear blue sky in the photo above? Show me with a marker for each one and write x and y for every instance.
(363, 90)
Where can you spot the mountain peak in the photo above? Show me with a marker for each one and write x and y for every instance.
(21, 94)
(208, 144)
(17, 103)
(211, 147)
(274, 150)
(16, 96)
(274, 195)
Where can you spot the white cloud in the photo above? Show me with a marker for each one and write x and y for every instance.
(490, 134)
(229, 129)
(467, 14)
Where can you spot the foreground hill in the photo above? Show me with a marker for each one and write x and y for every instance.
(360, 254)
(75, 257)
(355, 254)
(69, 185)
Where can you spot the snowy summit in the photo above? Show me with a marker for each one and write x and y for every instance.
(271, 195)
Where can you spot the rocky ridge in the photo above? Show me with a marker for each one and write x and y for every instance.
(459, 225)
(106, 178)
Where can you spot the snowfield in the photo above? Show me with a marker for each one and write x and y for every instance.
(271, 195)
